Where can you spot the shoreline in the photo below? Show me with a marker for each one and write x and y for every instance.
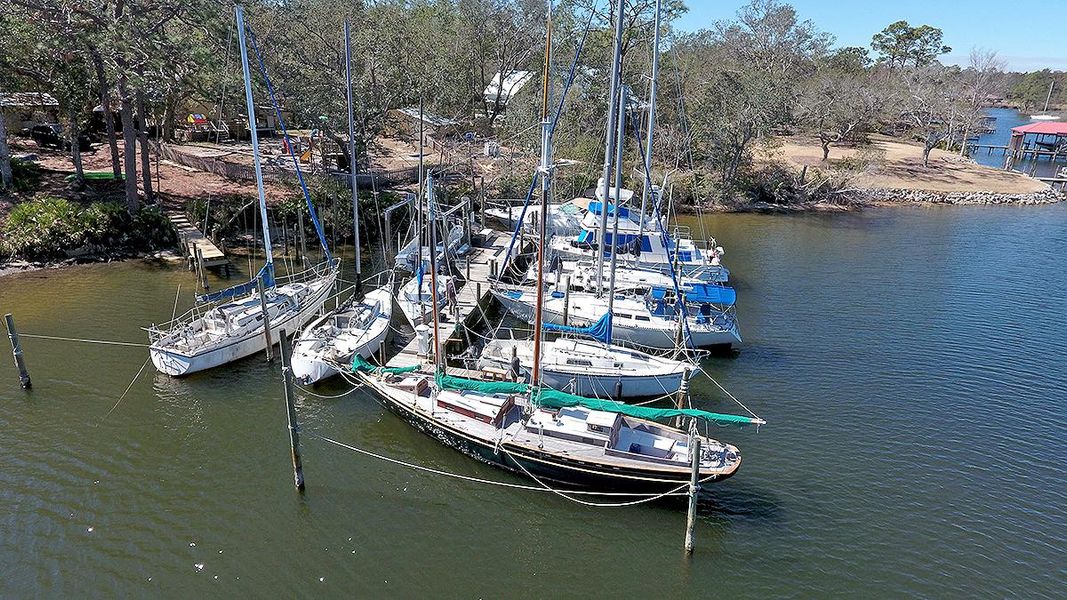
(856, 200)
(860, 199)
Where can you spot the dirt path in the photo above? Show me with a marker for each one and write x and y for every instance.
(900, 167)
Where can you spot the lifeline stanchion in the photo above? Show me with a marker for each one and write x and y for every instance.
(16, 351)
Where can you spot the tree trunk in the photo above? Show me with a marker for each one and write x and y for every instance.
(5, 155)
(142, 140)
(76, 151)
(129, 151)
(966, 134)
(927, 147)
(109, 117)
(825, 141)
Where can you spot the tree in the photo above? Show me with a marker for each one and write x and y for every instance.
(840, 101)
(984, 77)
(900, 43)
(931, 106)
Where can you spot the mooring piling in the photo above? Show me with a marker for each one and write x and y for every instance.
(290, 411)
(266, 319)
(694, 489)
(16, 350)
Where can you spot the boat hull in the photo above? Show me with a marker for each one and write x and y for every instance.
(309, 367)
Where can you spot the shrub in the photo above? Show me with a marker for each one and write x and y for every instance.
(25, 175)
(48, 227)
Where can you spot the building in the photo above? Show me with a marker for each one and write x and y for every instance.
(23, 110)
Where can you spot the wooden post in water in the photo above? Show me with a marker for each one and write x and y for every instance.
(266, 320)
(694, 489)
(16, 351)
(201, 269)
(290, 412)
(681, 394)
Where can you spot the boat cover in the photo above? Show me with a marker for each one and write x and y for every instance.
(703, 292)
(600, 331)
(549, 398)
(266, 274)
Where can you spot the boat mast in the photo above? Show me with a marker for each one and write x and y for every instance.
(606, 173)
(352, 163)
(1049, 97)
(433, 277)
(419, 221)
(250, 107)
(546, 183)
(646, 191)
(620, 138)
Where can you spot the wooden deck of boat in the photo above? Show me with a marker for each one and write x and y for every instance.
(471, 297)
(193, 239)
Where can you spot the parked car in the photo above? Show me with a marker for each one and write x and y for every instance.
(52, 136)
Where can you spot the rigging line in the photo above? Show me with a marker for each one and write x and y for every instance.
(135, 377)
(83, 340)
(518, 486)
(323, 396)
(285, 132)
(732, 397)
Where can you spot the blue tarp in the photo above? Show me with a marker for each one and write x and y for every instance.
(595, 208)
(266, 274)
(703, 292)
(601, 330)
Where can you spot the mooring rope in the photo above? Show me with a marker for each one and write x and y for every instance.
(83, 340)
(133, 381)
(519, 486)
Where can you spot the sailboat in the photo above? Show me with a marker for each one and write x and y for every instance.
(1044, 116)
(414, 296)
(358, 327)
(550, 435)
(228, 325)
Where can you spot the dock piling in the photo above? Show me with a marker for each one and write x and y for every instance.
(266, 320)
(290, 412)
(694, 489)
(683, 392)
(16, 351)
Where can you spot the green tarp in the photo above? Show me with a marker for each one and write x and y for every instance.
(360, 364)
(549, 398)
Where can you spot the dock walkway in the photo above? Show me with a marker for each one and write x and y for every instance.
(470, 298)
(192, 240)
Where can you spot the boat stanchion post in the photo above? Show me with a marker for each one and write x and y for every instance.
(290, 411)
(694, 488)
(566, 299)
(266, 319)
(16, 351)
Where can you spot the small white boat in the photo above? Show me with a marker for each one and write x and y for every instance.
(332, 341)
(590, 368)
(416, 302)
(1044, 118)
(583, 278)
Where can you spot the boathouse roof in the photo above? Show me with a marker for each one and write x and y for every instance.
(1042, 128)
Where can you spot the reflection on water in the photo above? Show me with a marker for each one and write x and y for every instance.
(908, 361)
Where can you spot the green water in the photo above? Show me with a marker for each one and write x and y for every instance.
(909, 363)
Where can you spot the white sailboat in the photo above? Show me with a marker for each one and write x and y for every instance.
(331, 342)
(590, 368)
(1044, 116)
(228, 325)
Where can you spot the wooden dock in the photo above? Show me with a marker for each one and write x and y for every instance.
(193, 241)
(471, 297)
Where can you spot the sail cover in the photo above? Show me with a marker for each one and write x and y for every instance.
(360, 364)
(600, 331)
(266, 274)
(555, 399)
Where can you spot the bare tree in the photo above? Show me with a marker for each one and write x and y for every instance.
(983, 78)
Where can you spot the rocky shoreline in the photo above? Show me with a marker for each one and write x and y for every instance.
(905, 196)
(13, 267)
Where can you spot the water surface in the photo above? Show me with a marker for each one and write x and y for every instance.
(909, 362)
